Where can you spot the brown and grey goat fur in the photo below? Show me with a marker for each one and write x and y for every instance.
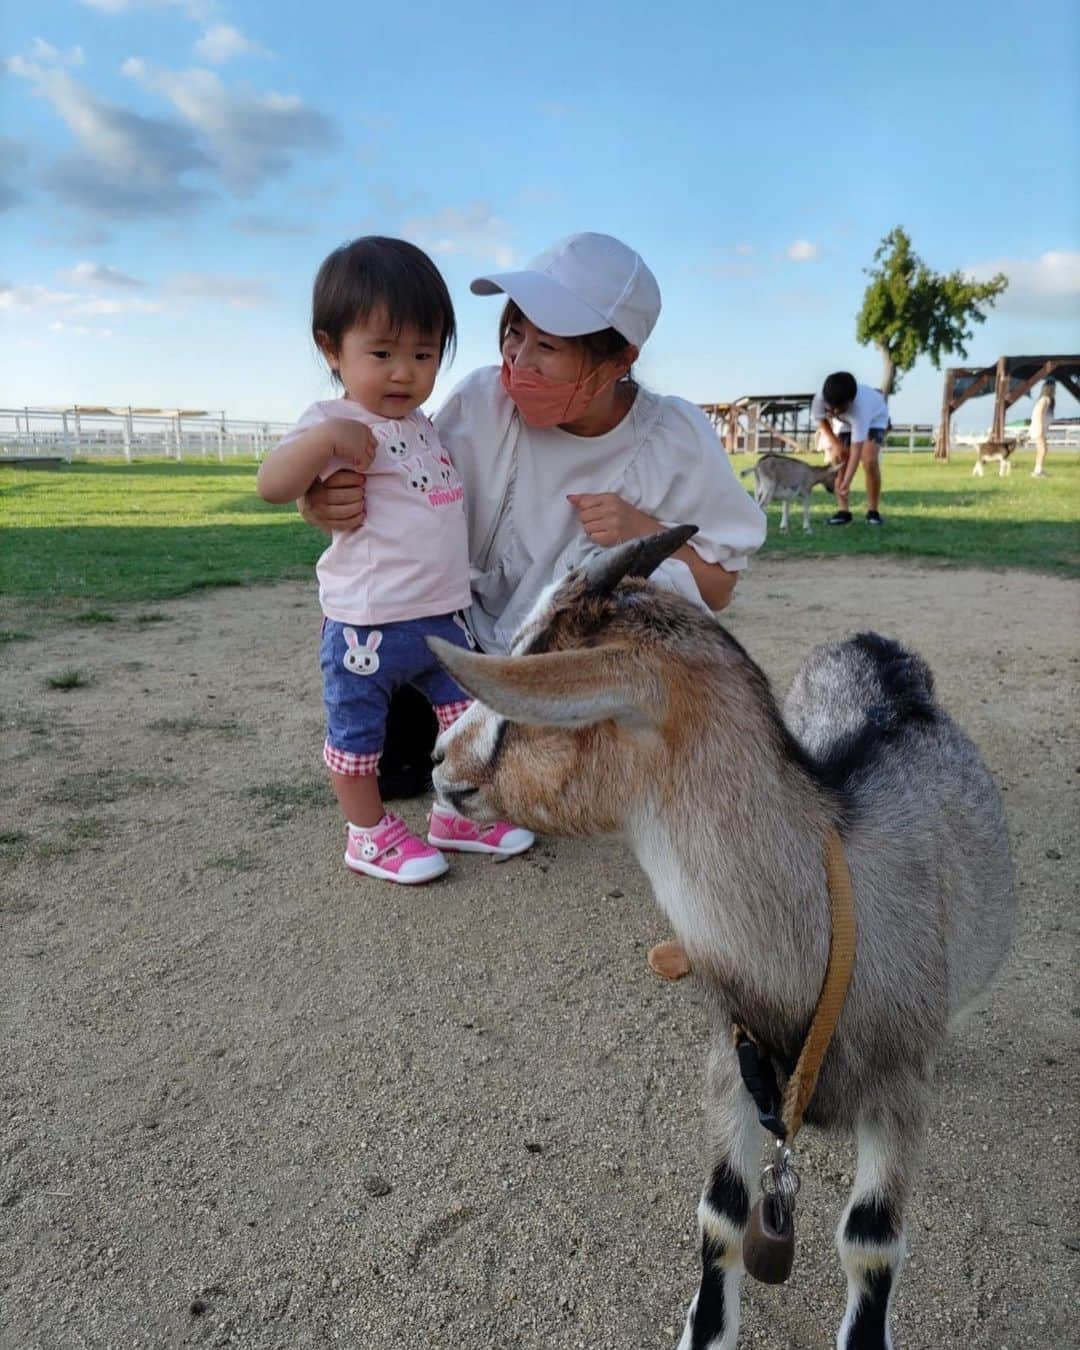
(625, 708)
(789, 479)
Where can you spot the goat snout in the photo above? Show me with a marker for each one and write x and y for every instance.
(456, 794)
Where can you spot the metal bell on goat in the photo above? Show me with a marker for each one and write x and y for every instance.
(769, 1242)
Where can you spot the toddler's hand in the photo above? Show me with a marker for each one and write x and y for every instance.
(609, 520)
(352, 441)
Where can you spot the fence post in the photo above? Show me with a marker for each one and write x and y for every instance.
(129, 433)
(179, 440)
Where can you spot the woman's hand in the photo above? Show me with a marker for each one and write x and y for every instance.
(336, 504)
(609, 520)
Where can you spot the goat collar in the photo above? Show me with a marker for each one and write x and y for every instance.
(754, 1064)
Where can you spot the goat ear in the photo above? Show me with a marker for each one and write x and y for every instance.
(637, 558)
(554, 689)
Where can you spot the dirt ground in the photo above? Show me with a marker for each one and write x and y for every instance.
(249, 1099)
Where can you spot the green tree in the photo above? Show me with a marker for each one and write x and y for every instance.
(909, 311)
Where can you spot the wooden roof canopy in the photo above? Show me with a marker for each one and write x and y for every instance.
(1009, 379)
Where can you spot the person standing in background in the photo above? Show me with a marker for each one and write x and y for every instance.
(1041, 416)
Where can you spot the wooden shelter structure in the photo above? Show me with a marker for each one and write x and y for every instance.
(1008, 379)
(759, 422)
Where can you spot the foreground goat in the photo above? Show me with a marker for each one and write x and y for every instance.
(624, 707)
(787, 478)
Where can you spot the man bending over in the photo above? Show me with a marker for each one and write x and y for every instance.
(865, 414)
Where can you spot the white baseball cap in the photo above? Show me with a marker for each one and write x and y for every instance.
(586, 283)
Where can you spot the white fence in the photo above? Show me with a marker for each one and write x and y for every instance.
(49, 433)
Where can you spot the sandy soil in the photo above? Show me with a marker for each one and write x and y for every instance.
(249, 1099)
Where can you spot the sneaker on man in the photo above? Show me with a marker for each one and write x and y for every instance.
(391, 852)
(447, 829)
(874, 518)
(839, 518)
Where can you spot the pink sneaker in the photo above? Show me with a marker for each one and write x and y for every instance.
(391, 851)
(448, 830)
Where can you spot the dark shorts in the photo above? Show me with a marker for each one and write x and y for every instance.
(875, 434)
(362, 667)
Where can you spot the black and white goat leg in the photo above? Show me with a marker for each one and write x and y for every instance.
(870, 1237)
(735, 1146)
(785, 507)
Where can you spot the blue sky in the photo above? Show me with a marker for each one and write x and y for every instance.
(173, 171)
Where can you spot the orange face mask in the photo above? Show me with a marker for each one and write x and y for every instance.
(543, 402)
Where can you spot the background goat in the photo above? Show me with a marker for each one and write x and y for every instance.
(988, 451)
(626, 708)
(787, 478)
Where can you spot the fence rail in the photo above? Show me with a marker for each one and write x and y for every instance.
(65, 432)
(62, 433)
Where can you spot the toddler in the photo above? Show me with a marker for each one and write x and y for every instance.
(382, 318)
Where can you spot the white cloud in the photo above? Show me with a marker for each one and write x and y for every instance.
(199, 10)
(45, 51)
(98, 274)
(33, 299)
(471, 231)
(251, 135)
(126, 164)
(129, 306)
(1046, 287)
(25, 299)
(802, 250)
(79, 330)
(222, 42)
(239, 292)
(744, 250)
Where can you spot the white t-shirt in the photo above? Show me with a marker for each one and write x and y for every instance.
(663, 457)
(410, 559)
(868, 412)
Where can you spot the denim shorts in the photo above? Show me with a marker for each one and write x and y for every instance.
(875, 434)
(363, 666)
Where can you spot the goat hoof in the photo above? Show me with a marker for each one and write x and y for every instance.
(669, 961)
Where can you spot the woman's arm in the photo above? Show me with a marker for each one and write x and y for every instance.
(715, 583)
(335, 503)
(291, 467)
(609, 520)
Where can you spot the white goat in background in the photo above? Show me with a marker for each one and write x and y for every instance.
(623, 707)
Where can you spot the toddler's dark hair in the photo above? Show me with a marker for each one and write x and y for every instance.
(375, 272)
(839, 389)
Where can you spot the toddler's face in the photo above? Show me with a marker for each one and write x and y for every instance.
(388, 372)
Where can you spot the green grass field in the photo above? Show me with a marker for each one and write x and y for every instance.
(112, 532)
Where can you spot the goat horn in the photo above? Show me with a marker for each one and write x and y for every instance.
(638, 558)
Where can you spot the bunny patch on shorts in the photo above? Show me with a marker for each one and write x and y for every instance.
(361, 660)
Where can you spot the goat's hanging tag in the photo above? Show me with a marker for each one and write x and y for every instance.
(769, 1240)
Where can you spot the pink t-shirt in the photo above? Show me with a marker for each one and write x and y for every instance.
(410, 558)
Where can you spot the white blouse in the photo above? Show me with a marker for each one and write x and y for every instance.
(663, 457)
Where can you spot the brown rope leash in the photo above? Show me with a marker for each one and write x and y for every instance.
(803, 1080)
(669, 961)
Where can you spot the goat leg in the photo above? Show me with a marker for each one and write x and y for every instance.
(870, 1237)
(724, 1209)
